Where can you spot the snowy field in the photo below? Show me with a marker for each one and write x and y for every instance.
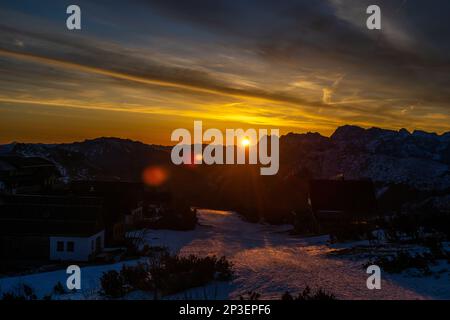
(267, 260)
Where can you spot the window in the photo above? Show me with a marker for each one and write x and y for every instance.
(70, 246)
(60, 246)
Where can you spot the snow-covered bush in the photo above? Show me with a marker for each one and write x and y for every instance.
(21, 292)
(308, 295)
(113, 284)
(168, 274)
(403, 260)
(176, 273)
(137, 277)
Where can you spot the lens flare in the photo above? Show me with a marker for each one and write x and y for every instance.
(154, 176)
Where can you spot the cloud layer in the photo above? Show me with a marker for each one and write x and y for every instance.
(298, 65)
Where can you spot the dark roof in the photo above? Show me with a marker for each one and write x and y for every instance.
(50, 215)
(351, 196)
(106, 188)
(26, 162)
(130, 191)
(19, 171)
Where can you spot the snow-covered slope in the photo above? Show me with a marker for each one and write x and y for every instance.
(266, 260)
(98, 158)
(418, 159)
(269, 261)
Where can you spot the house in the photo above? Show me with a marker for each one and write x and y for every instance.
(56, 228)
(334, 202)
(123, 204)
(126, 204)
(24, 175)
(120, 200)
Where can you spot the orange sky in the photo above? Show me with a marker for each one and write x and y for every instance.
(145, 70)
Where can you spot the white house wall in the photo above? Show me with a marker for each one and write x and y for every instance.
(82, 247)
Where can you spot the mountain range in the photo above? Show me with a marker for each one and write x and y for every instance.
(419, 159)
(406, 168)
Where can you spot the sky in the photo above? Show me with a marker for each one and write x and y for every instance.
(140, 69)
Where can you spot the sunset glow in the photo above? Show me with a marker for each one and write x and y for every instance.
(143, 81)
(245, 142)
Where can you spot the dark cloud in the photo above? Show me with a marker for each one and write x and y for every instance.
(331, 34)
(126, 62)
(287, 51)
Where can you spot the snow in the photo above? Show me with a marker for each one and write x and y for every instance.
(269, 261)
(266, 260)
(43, 283)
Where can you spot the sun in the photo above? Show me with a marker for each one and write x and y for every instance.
(245, 142)
(199, 157)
